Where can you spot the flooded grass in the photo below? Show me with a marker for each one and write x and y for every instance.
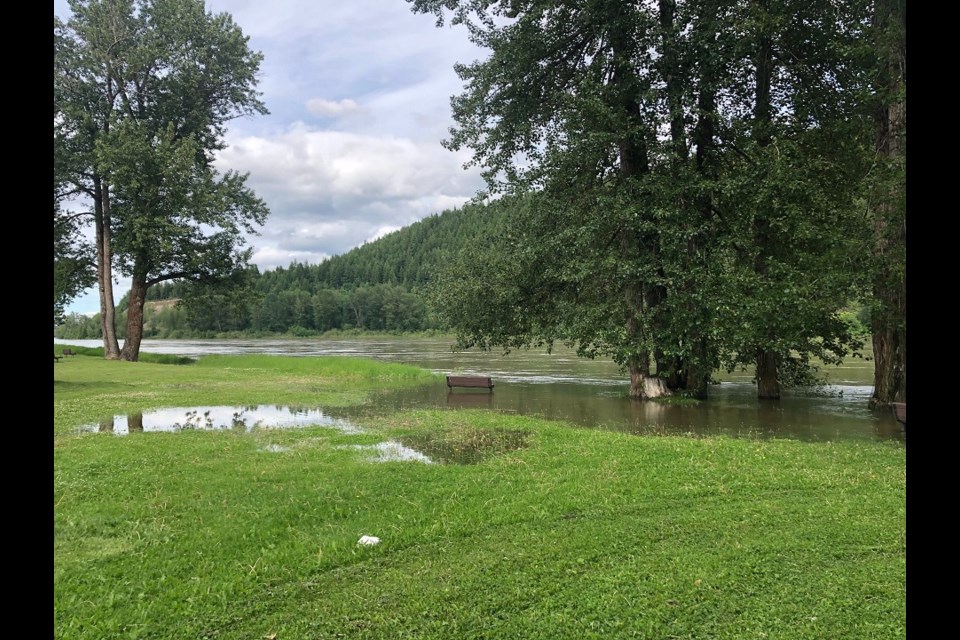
(467, 446)
(457, 446)
(557, 533)
(391, 451)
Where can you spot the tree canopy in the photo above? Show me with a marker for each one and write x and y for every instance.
(691, 177)
(143, 90)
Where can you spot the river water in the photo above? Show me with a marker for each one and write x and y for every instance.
(588, 393)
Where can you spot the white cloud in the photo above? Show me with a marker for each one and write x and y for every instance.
(333, 175)
(333, 108)
(359, 100)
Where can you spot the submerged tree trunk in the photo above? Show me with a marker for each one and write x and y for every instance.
(643, 385)
(889, 318)
(768, 382)
(138, 295)
(677, 373)
(697, 378)
(108, 327)
(889, 356)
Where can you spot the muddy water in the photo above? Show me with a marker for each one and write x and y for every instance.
(588, 393)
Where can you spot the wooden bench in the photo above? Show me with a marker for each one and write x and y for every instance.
(475, 382)
(69, 352)
(900, 413)
(56, 358)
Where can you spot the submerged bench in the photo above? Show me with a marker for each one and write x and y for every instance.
(476, 382)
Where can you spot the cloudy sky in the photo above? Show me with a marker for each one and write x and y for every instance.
(359, 98)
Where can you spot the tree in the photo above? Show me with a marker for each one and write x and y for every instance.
(888, 200)
(223, 306)
(801, 155)
(560, 115)
(73, 271)
(143, 90)
(660, 222)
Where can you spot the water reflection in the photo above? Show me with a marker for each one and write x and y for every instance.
(731, 410)
(457, 399)
(222, 417)
(391, 451)
(589, 393)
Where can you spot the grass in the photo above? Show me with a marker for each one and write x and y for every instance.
(549, 532)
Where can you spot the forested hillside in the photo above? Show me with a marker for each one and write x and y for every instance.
(379, 286)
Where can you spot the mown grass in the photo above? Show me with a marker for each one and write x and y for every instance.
(554, 533)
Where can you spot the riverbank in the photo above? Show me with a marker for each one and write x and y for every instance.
(517, 527)
(857, 370)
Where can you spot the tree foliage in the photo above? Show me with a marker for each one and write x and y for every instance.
(73, 269)
(143, 90)
(691, 178)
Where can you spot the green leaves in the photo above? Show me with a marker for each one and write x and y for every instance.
(688, 178)
(142, 94)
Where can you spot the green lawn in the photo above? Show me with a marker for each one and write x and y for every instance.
(548, 532)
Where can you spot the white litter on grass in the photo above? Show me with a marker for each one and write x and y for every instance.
(369, 540)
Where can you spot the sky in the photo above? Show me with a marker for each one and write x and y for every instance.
(359, 99)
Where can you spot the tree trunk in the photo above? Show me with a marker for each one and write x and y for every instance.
(768, 384)
(643, 385)
(696, 374)
(889, 319)
(111, 347)
(138, 295)
(678, 373)
(634, 161)
(767, 362)
(697, 380)
(670, 70)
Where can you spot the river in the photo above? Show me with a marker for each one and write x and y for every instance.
(587, 393)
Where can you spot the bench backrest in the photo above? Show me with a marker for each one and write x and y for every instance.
(469, 381)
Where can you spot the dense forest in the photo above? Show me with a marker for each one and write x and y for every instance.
(379, 286)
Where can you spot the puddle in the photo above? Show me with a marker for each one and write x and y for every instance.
(460, 446)
(219, 418)
(468, 446)
(392, 451)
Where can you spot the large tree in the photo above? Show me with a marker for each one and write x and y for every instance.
(888, 200)
(799, 156)
(564, 114)
(143, 90)
(679, 203)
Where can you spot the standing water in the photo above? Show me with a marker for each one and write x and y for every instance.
(589, 393)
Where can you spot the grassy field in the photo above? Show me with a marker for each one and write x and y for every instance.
(520, 528)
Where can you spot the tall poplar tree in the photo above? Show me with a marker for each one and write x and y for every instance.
(889, 207)
(143, 90)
